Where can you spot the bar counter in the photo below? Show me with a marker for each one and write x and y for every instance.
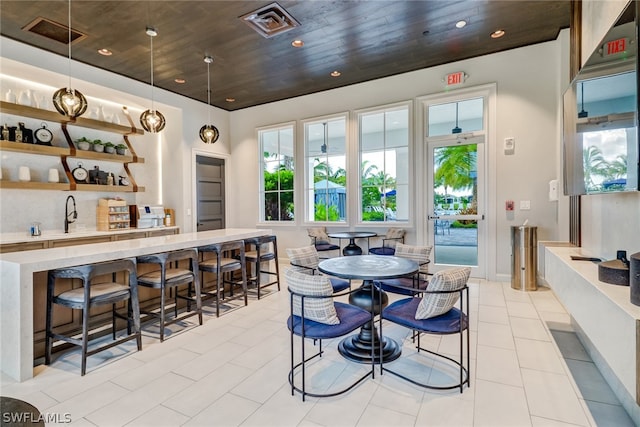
(16, 282)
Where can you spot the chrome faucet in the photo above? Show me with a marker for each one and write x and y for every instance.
(67, 214)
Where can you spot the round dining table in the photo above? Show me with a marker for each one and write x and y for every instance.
(368, 268)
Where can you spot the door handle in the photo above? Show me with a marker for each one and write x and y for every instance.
(434, 217)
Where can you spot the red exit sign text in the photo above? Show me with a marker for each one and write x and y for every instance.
(615, 46)
(455, 78)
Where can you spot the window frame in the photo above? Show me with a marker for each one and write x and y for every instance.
(308, 175)
(261, 188)
(357, 114)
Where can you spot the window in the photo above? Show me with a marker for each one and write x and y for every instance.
(277, 167)
(325, 168)
(384, 164)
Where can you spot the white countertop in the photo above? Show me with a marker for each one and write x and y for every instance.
(16, 282)
(588, 270)
(18, 237)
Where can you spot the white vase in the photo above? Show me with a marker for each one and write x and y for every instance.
(24, 174)
(115, 119)
(24, 98)
(101, 113)
(10, 97)
(33, 99)
(43, 103)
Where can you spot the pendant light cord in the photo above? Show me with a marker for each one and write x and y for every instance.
(152, 104)
(208, 93)
(69, 73)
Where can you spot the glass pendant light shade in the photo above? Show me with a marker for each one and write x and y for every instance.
(152, 121)
(209, 133)
(70, 102)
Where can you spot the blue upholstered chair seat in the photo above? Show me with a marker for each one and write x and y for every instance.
(397, 286)
(326, 247)
(351, 318)
(403, 313)
(383, 250)
(339, 284)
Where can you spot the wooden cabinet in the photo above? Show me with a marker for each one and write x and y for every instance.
(112, 215)
(70, 150)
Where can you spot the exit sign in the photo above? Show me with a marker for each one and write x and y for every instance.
(614, 47)
(455, 78)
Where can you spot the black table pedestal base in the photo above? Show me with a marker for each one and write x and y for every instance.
(352, 249)
(357, 348)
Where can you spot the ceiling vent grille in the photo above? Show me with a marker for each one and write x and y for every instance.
(270, 20)
(53, 30)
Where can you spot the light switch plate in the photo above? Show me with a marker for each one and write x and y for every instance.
(525, 205)
(509, 145)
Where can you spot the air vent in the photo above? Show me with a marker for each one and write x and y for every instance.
(270, 20)
(53, 30)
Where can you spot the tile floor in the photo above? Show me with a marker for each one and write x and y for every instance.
(527, 369)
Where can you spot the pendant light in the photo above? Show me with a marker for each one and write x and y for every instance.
(209, 133)
(69, 102)
(456, 129)
(325, 139)
(582, 114)
(152, 120)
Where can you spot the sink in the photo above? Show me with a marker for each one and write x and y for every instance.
(614, 272)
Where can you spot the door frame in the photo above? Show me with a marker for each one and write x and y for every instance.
(195, 152)
(489, 93)
(433, 143)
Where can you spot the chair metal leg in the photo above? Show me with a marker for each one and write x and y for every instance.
(85, 336)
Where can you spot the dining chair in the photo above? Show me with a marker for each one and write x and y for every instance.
(409, 285)
(434, 313)
(321, 241)
(314, 314)
(306, 260)
(393, 236)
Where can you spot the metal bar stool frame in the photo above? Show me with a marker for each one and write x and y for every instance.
(259, 256)
(176, 277)
(103, 294)
(224, 265)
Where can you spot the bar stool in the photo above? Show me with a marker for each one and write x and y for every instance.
(94, 295)
(229, 258)
(170, 277)
(265, 249)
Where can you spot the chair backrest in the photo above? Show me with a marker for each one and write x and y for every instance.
(443, 292)
(304, 260)
(318, 235)
(394, 236)
(419, 254)
(315, 294)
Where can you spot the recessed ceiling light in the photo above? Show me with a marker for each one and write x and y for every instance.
(230, 99)
(105, 52)
(180, 80)
(497, 34)
(335, 73)
(461, 24)
(297, 43)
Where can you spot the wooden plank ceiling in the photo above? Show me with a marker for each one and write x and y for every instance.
(364, 40)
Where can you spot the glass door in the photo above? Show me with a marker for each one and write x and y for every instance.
(455, 147)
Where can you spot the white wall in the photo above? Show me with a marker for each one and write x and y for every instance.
(529, 88)
(610, 222)
(166, 173)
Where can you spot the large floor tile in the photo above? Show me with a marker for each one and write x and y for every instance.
(500, 405)
(529, 328)
(538, 355)
(495, 335)
(522, 309)
(229, 410)
(498, 365)
(551, 396)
